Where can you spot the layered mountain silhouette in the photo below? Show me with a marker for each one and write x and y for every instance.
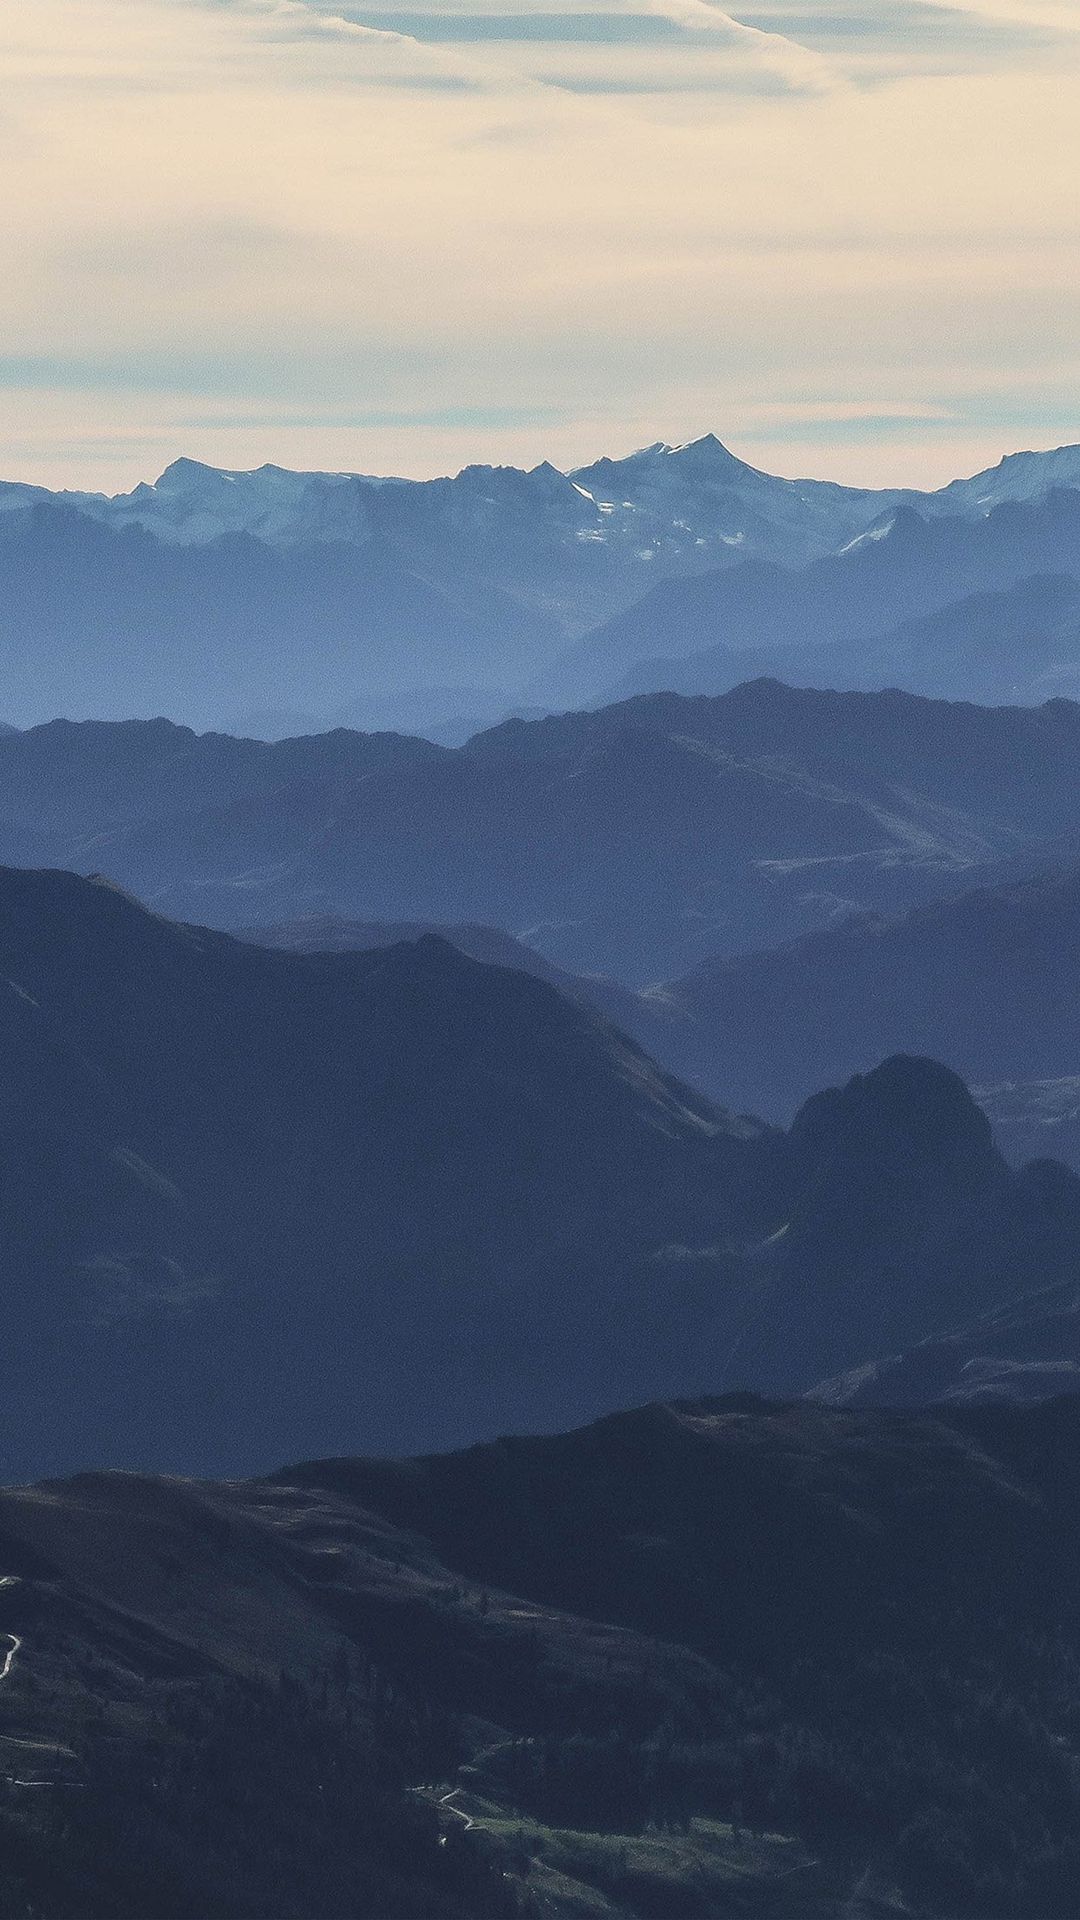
(101, 622)
(635, 841)
(699, 1658)
(1019, 645)
(846, 606)
(981, 980)
(985, 981)
(259, 1201)
(211, 595)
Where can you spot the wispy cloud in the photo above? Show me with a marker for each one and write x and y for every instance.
(1042, 15)
(406, 238)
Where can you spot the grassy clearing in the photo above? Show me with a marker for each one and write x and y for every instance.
(708, 1872)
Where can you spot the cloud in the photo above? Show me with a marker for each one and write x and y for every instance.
(778, 51)
(1034, 15)
(778, 59)
(252, 231)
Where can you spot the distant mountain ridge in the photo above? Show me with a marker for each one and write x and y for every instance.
(694, 495)
(984, 980)
(1014, 645)
(212, 594)
(632, 841)
(840, 620)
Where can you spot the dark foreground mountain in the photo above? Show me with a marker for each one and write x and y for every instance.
(260, 1202)
(1001, 994)
(708, 1659)
(634, 841)
(247, 1189)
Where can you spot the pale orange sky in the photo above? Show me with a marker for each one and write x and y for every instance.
(251, 230)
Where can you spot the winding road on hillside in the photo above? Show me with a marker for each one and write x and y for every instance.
(14, 1640)
(445, 1802)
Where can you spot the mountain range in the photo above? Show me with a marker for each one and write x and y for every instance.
(228, 829)
(374, 1089)
(964, 607)
(298, 599)
(710, 1658)
(697, 502)
(638, 840)
(984, 980)
(1019, 645)
(254, 1196)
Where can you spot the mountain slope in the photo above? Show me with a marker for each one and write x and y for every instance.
(257, 1199)
(634, 841)
(337, 1167)
(1020, 645)
(101, 622)
(984, 981)
(909, 569)
(776, 1661)
(1025, 1351)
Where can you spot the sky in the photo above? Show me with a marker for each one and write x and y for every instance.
(842, 234)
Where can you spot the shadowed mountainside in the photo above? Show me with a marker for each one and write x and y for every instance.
(714, 1658)
(260, 1202)
(1027, 1350)
(985, 981)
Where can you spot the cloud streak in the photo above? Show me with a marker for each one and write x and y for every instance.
(1041, 15)
(251, 229)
